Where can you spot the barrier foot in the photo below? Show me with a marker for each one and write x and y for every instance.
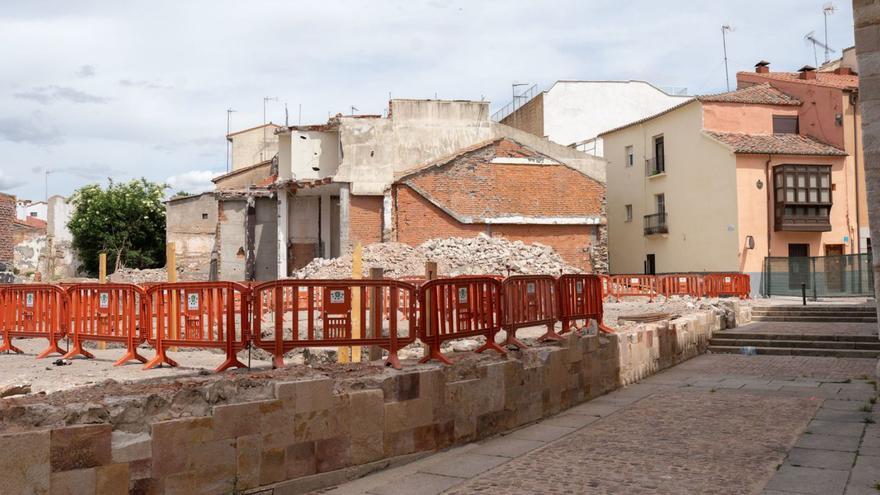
(159, 360)
(231, 362)
(491, 345)
(603, 328)
(277, 362)
(78, 351)
(131, 355)
(52, 349)
(434, 353)
(393, 361)
(8, 347)
(512, 341)
(550, 335)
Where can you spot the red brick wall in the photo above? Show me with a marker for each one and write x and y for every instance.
(365, 220)
(7, 217)
(418, 220)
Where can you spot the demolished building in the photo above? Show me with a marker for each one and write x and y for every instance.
(429, 169)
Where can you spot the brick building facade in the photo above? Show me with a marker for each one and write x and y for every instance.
(7, 220)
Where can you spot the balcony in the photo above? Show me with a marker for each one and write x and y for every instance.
(656, 224)
(654, 167)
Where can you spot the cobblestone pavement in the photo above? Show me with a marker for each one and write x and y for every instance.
(805, 328)
(717, 424)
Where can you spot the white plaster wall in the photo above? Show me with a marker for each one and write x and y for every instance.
(23, 211)
(313, 154)
(59, 212)
(254, 146)
(579, 110)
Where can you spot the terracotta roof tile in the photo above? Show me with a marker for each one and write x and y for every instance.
(827, 79)
(759, 94)
(776, 144)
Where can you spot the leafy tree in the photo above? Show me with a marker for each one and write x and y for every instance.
(181, 194)
(127, 221)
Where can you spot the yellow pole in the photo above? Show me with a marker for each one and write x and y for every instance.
(102, 278)
(346, 354)
(171, 266)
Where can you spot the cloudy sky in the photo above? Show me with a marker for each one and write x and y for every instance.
(98, 89)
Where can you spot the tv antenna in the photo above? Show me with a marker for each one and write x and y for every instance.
(724, 30)
(827, 10)
(229, 112)
(811, 38)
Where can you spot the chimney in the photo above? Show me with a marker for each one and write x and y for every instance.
(807, 72)
(762, 67)
(843, 71)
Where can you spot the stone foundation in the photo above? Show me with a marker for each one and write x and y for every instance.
(302, 434)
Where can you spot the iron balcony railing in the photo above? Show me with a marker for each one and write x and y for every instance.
(654, 167)
(518, 101)
(656, 224)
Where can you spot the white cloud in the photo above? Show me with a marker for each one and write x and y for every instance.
(193, 182)
(7, 183)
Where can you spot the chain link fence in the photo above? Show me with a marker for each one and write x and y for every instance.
(823, 276)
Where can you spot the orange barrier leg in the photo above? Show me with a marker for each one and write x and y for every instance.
(550, 334)
(8, 347)
(52, 349)
(491, 345)
(160, 358)
(434, 353)
(130, 355)
(77, 350)
(512, 341)
(393, 361)
(231, 362)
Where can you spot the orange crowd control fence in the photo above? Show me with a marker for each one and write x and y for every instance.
(198, 315)
(632, 285)
(453, 308)
(680, 285)
(107, 313)
(728, 285)
(528, 301)
(580, 298)
(332, 313)
(34, 311)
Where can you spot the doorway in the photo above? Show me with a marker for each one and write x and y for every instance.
(834, 267)
(650, 265)
(798, 265)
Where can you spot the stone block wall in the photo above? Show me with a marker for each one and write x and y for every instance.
(7, 218)
(309, 433)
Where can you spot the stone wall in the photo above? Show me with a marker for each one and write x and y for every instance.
(295, 436)
(7, 217)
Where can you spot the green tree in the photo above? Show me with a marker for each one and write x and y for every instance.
(127, 221)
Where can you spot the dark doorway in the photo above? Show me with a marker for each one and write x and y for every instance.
(650, 265)
(798, 265)
(834, 267)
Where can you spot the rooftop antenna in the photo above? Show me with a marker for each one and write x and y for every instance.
(229, 112)
(724, 29)
(266, 99)
(827, 10)
(299, 118)
(286, 116)
(354, 109)
(811, 38)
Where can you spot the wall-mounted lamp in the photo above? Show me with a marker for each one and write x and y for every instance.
(750, 242)
(759, 184)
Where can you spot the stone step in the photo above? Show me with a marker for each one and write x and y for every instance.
(816, 319)
(808, 344)
(817, 307)
(788, 351)
(745, 335)
(797, 311)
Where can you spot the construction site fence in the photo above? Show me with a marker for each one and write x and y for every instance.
(280, 316)
(617, 287)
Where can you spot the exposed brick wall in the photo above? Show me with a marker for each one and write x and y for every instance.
(365, 220)
(418, 220)
(529, 117)
(7, 217)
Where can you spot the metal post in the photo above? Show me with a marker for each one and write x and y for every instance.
(430, 274)
(724, 30)
(377, 306)
(804, 292)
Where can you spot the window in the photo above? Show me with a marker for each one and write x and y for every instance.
(784, 124)
(661, 203)
(629, 213)
(630, 159)
(803, 197)
(204, 216)
(33, 213)
(659, 154)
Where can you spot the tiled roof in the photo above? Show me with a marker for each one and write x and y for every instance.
(505, 182)
(776, 144)
(759, 94)
(32, 222)
(827, 79)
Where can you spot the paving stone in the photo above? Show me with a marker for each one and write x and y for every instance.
(865, 475)
(828, 442)
(507, 446)
(465, 465)
(570, 420)
(819, 427)
(590, 409)
(826, 459)
(417, 484)
(541, 432)
(841, 416)
(843, 405)
(809, 480)
(765, 385)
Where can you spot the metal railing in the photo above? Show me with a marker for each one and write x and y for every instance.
(823, 276)
(518, 101)
(654, 167)
(656, 224)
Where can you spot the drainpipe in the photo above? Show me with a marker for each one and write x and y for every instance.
(770, 203)
(853, 100)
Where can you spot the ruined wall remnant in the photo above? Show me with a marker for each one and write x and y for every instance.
(191, 224)
(7, 217)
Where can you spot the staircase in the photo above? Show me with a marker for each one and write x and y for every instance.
(789, 341)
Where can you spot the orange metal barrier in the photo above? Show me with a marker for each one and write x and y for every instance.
(680, 285)
(633, 285)
(728, 285)
(200, 315)
(580, 298)
(34, 311)
(452, 308)
(322, 315)
(107, 313)
(528, 301)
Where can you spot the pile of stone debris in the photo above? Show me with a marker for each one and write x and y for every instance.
(454, 256)
(148, 275)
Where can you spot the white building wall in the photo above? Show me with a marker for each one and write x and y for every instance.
(575, 111)
(37, 210)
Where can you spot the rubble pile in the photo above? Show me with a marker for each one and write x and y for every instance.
(149, 275)
(454, 256)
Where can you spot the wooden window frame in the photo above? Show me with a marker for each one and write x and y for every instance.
(802, 199)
